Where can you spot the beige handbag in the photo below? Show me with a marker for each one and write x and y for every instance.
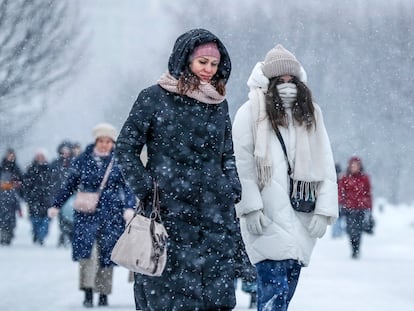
(142, 247)
(86, 202)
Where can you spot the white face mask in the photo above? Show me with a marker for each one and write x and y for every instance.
(287, 92)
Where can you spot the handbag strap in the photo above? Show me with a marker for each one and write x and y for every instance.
(156, 207)
(106, 176)
(279, 136)
(156, 201)
(289, 171)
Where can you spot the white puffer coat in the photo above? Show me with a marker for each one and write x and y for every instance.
(287, 237)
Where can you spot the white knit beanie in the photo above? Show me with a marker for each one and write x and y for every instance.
(104, 130)
(279, 62)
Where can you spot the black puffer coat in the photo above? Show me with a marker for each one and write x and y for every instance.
(37, 185)
(10, 194)
(190, 155)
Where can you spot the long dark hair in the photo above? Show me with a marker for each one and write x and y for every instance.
(302, 110)
(188, 81)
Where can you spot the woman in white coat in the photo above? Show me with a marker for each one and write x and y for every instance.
(279, 240)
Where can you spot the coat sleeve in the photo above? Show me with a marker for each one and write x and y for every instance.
(367, 196)
(69, 186)
(327, 202)
(341, 191)
(27, 184)
(243, 148)
(229, 163)
(130, 142)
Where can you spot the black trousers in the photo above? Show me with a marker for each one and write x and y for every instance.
(354, 227)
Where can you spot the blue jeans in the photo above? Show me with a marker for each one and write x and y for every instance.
(276, 283)
(40, 227)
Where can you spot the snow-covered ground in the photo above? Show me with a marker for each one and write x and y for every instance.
(44, 278)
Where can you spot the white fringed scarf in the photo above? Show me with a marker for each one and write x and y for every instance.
(261, 128)
(312, 160)
(206, 93)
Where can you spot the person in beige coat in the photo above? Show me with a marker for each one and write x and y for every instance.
(279, 240)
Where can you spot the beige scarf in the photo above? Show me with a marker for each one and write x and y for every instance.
(313, 156)
(206, 93)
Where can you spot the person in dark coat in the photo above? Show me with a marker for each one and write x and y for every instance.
(60, 171)
(10, 194)
(354, 190)
(95, 234)
(184, 122)
(37, 184)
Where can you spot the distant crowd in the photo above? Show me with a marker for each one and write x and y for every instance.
(35, 185)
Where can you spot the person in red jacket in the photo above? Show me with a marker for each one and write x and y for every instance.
(354, 190)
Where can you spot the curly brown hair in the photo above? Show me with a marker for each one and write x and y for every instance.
(188, 81)
(302, 110)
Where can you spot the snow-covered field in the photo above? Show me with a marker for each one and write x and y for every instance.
(44, 278)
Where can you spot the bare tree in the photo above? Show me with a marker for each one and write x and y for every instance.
(40, 47)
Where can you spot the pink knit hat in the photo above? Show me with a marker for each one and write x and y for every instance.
(206, 49)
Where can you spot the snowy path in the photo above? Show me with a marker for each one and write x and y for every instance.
(44, 278)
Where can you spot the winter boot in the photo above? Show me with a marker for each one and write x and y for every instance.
(103, 300)
(355, 254)
(355, 248)
(88, 302)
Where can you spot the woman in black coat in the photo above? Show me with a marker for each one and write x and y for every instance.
(37, 183)
(10, 193)
(184, 122)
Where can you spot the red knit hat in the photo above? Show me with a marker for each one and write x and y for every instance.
(206, 49)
